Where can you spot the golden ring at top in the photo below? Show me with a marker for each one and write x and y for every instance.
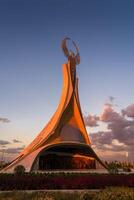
(75, 56)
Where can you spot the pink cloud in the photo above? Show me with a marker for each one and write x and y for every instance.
(129, 111)
(120, 135)
(91, 120)
(109, 114)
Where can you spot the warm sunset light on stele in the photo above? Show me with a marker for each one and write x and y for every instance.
(65, 133)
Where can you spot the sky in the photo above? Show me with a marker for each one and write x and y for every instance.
(31, 58)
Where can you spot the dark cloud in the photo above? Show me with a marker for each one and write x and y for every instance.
(17, 141)
(4, 120)
(4, 142)
(111, 99)
(91, 120)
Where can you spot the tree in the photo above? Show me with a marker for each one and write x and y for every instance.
(19, 170)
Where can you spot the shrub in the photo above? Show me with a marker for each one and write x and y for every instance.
(113, 168)
(19, 170)
(64, 181)
(126, 169)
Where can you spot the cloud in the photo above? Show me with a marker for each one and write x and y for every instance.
(121, 128)
(17, 141)
(100, 138)
(4, 142)
(120, 134)
(4, 120)
(13, 150)
(91, 120)
(108, 114)
(105, 142)
(129, 111)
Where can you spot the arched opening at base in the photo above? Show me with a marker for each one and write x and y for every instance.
(52, 161)
(65, 157)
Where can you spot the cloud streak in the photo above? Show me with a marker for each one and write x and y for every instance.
(16, 141)
(4, 120)
(4, 142)
(15, 150)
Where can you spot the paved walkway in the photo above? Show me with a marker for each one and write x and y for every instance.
(99, 171)
(64, 191)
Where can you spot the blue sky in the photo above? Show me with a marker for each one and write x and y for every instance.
(31, 57)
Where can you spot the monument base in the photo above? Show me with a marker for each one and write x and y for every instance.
(63, 161)
(65, 156)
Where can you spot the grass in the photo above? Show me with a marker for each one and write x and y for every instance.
(110, 193)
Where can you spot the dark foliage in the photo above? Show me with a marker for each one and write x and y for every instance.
(19, 170)
(63, 181)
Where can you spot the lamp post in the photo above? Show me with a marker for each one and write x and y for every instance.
(2, 155)
(126, 154)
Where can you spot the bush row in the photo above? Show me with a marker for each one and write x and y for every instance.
(63, 181)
